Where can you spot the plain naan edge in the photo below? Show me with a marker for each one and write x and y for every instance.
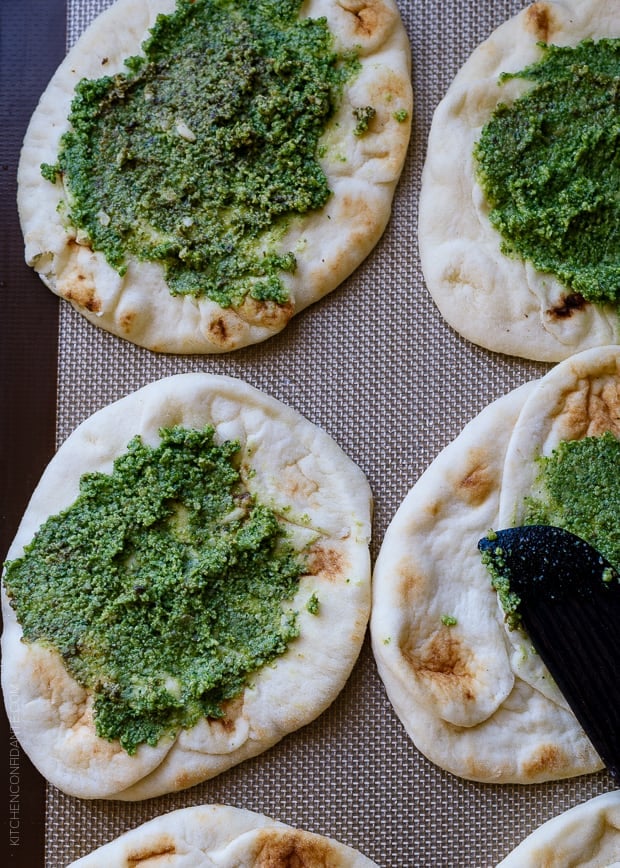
(330, 243)
(296, 465)
(587, 835)
(494, 301)
(454, 688)
(222, 835)
(579, 397)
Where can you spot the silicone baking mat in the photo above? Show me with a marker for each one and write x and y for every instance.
(376, 367)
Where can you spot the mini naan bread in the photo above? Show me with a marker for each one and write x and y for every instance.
(324, 502)
(329, 243)
(223, 836)
(586, 836)
(468, 690)
(579, 398)
(499, 302)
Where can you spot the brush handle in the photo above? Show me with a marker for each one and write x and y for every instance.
(579, 642)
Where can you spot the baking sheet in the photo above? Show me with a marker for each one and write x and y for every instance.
(375, 366)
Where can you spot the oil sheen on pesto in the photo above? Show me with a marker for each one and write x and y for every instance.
(198, 155)
(163, 586)
(549, 165)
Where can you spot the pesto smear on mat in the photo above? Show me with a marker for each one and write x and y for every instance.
(577, 489)
(198, 156)
(549, 166)
(163, 587)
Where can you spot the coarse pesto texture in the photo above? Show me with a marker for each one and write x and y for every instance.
(163, 586)
(494, 560)
(579, 490)
(449, 620)
(363, 116)
(549, 166)
(199, 155)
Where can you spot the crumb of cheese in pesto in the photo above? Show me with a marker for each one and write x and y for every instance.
(548, 165)
(162, 587)
(201, 166)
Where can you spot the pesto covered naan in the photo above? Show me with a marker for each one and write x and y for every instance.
(469, 689)
(189, 583)
(225, 836)
(519, 226)
(198, 172)
(587, 836)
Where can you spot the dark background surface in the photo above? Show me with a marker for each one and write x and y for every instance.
(28, 349)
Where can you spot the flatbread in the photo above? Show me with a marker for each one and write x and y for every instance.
(586, 836)
(325, 503)
(329, 243)
(580, 398)
(468, 690)
(498, 302)
(223, 836)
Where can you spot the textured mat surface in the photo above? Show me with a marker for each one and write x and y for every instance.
(377, 368)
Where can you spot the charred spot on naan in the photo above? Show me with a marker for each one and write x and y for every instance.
(545, 762)
(233, 710)
(78, 286)
(367, 22)
(478, 482)
(356, 209)
(49, 679)
(269, 314)
(126, 320)
(569, 305)
(539, 21)
(411, 585)
(225, 330)
(443, 660)
(296, 848)
(326, 561)
(161, 848)
(591, 409)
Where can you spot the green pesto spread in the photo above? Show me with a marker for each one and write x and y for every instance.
(549, 166)
(449, 620)
(579, 490)
(199, 155)
(493, 560)
(363, 116)
(163, 586)
(313, 604)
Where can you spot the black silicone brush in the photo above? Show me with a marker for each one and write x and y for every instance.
(570, 607)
